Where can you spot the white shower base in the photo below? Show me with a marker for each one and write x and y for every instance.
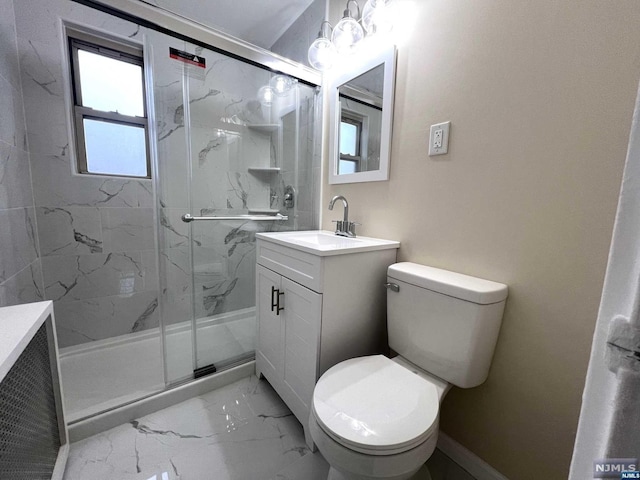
(104, 374)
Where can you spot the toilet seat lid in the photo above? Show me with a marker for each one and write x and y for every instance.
(373, 404)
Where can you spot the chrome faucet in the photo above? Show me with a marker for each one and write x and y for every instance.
(344, 227)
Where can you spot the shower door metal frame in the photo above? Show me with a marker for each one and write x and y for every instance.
(180, 27)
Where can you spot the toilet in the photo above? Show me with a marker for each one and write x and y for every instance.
(377, 418)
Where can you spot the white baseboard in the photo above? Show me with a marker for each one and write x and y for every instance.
(477, 468)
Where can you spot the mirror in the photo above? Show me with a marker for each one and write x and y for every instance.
(361, 113)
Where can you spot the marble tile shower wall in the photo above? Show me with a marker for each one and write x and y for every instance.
(96, 234)
(20, 267)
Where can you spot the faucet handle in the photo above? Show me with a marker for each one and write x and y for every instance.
(351, 228)
(345, 229)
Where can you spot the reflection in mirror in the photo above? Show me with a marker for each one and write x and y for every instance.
(361, 122)
(361, 103)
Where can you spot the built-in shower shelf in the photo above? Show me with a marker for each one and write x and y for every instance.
(263, 211)
(264, 169)
(264, 127)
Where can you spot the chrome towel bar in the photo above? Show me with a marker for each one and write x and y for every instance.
(187, 218)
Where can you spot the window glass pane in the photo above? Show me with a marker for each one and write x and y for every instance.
(346, 166)
(110, 85)
(348, 139)
(115, 149)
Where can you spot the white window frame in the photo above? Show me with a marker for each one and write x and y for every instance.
(102, 46)
(357, 157)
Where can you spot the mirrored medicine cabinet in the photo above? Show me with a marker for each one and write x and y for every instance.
(361, 118)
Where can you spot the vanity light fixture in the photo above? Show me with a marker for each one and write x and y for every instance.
(349, 32)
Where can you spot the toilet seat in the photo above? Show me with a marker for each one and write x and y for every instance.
(373, 405)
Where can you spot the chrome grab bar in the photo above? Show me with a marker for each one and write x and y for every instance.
(187, 218)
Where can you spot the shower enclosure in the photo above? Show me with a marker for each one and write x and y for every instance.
(235, 151)
(232, 141)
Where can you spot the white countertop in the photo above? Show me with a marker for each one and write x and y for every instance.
(18, 325)
(324, 243)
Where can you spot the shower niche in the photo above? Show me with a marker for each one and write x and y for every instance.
(267, 168)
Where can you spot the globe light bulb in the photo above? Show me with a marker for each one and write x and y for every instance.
(377, 17)
(322, 53)
(347, 34)
(281, 85)
(266, 96)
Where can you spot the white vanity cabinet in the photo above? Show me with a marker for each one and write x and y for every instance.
(317, 305)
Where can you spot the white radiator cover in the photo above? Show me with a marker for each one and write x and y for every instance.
(33, 432)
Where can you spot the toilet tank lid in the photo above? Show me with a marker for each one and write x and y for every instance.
(458, 285)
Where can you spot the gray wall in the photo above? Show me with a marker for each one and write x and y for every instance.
(20, 267)
(295, 41)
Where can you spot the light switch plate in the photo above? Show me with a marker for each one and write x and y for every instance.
(439, 139)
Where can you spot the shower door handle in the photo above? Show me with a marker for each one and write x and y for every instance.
(275, 300)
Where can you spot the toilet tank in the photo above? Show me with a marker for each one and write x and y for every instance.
(444, 322)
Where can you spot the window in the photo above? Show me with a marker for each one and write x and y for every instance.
(351, 129)
(109, 107)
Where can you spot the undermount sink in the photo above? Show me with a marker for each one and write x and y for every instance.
(323, 243)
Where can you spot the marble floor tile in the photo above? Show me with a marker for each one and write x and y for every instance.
(240, 432)
(310, 467)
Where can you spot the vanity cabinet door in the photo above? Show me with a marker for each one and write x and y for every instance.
(302, 323)
(288, 340)
(270, 331)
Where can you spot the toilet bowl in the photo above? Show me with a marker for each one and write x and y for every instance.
(376, 418)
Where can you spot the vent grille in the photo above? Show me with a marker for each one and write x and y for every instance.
(29, 436)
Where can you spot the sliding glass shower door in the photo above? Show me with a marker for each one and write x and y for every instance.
(236, 154)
